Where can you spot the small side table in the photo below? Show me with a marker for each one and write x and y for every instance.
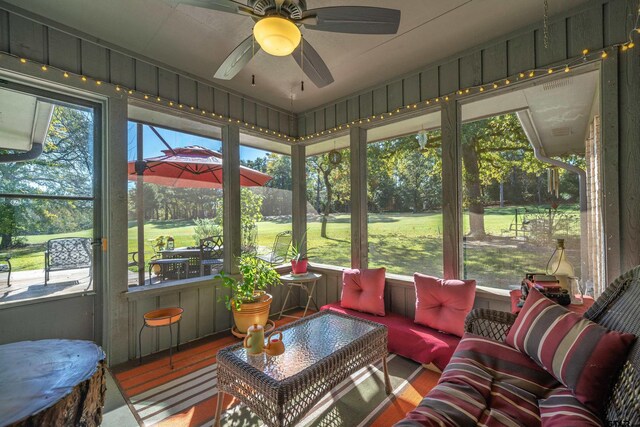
(301, 281)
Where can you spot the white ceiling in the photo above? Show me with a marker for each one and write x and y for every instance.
(198, 40)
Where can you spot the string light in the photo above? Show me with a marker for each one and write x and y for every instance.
(586, 55)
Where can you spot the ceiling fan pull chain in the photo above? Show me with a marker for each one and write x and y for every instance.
(302, 63)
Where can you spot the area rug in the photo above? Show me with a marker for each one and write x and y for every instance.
(187, 395)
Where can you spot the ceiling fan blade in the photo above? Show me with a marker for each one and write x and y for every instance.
(237, 59)
(352, 19)
(229, 6)
(312, 65)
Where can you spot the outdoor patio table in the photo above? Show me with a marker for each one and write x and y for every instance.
(191, 252)
(321, 351)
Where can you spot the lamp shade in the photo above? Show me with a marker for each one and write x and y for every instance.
(277, 36)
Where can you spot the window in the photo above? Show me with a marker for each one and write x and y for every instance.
(405, 204)
(181, 204)
(530, 178)
(265, 208)
(49, 198)
(328, 208)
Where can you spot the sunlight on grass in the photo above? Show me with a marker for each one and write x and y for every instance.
(403, 243)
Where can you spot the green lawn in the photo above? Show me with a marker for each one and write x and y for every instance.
(402, 242)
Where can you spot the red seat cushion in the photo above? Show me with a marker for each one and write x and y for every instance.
(486, 383)
(408, 339)
(363, 290)
(579, 353)
(443, 304)
(562, 409)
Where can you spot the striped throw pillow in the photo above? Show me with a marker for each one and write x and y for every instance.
(581, 354)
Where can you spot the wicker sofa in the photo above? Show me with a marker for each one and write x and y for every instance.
(618, 308)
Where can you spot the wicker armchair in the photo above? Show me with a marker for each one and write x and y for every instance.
(618, 308)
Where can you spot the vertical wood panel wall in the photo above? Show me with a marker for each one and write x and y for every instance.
(204, 313)
(598, 24)
(47, 45)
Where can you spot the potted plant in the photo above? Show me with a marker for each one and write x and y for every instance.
(248, 301)
(300, 261)
(158, 244)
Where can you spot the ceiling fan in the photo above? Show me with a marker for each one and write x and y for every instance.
(277, 31)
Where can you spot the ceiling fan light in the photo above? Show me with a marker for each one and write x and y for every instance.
(277, 36)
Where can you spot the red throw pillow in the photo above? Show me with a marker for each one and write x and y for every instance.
(363, 290)
(579, 353)
(443, 304)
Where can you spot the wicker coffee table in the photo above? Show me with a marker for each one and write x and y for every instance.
(321, 351)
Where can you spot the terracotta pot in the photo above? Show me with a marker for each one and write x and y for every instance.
(251, 313)
(299, 267)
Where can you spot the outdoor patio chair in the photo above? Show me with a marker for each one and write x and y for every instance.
(211, 255)
(280, 250)
(68, 253)
(5, 267)
(133, 261)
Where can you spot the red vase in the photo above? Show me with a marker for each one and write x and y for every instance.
(299, 267)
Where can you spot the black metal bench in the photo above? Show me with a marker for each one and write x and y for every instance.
(68, 253)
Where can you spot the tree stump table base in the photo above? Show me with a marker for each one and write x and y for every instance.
(52, 383)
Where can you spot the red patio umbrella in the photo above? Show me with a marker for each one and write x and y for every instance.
(192, 167)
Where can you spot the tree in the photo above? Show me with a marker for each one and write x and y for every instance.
(491, 149)
(332, 180)
(250, 211)
(65, 168)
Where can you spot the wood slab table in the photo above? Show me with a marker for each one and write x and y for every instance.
(51, 383)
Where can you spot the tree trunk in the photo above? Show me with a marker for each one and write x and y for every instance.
(5, 241)
(327, 206)
(474, 190)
